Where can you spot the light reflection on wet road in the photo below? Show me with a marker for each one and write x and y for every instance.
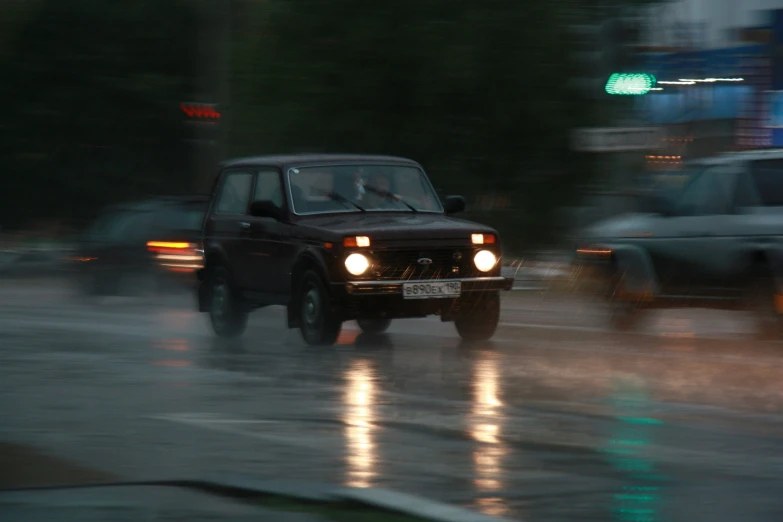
(486, 429)
(359, 400)
(556, 419)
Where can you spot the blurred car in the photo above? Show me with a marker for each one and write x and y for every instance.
(712, 238)
(341, 237)
(31, 263)
(144, 244)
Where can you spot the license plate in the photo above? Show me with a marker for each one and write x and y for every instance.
(434, 290)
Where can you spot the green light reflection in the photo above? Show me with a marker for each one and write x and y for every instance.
(627, 451)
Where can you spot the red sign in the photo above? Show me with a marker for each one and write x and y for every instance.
(200, 111)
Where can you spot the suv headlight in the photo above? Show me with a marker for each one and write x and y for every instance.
(357, 264)
(485, 260)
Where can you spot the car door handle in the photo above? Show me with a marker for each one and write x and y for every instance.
(244, 225)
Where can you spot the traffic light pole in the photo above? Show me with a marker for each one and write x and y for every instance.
(605, 43)
(214, 87)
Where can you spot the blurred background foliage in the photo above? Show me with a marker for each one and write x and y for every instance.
(475, 90)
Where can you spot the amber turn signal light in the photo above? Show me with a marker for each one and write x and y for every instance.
(356, 241)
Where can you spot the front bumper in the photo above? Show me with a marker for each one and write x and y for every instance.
(470, 284)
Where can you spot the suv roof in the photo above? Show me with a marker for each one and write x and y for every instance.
(158, 201)
(727, 157)
(287, 159)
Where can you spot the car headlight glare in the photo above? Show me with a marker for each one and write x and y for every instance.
(357, 264)
(485, 260)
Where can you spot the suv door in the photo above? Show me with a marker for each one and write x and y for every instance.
(267, 241)
(113, 258)
(228, 224)
(97, 245)
(698, 247)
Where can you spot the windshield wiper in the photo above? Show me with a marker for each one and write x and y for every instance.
(388, 195)
(335, 196)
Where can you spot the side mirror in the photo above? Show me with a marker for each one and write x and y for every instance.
(266, 209)
(454, 204)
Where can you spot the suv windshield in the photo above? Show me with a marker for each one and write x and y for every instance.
(341, 188)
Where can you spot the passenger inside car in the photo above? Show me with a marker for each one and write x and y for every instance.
(376, 199)
(411, 190)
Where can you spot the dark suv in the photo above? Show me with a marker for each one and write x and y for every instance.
(341, 237)
(711, 236)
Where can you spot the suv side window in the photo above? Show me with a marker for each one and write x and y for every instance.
(234, 193)
(711, 193)
(99, 230)
(135, 227)
(269, 187)
(114, 232)
(747, 195)
(767, 176)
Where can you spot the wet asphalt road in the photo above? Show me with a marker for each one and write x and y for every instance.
(555, 419)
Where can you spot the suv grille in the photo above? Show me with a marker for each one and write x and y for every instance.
(447, 263)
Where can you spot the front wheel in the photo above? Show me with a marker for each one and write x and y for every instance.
(225, 314)
(374, 326)
(763, 296)
(318, 322)
(624, 314)
(97, 283)
(479, 320)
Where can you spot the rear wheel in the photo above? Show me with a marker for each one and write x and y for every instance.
(374, 326)
(318, 322)
(225, 313)
(86, 283)
(478, 317)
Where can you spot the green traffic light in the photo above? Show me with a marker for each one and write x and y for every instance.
(630, 84)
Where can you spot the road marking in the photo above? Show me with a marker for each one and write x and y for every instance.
(211, 418)
(300, 435)
(725, 336)
(234, 427)
(566, 328)
(734, 462)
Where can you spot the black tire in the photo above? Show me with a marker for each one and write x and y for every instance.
(318, 322)
(478, 318)
(623, 314)
(769, 323)
(96, 283)
(225, 313)
(85, 284)
(374, 326)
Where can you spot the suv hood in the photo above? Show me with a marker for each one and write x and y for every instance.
(397, 225)
(625, 225)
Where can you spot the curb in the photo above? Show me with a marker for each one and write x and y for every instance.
(241, 486)
(389, 500)
(416, 506)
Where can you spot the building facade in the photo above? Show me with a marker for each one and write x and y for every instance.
(704, 24)
(719, 69)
